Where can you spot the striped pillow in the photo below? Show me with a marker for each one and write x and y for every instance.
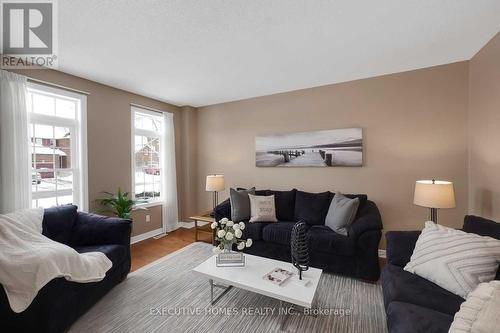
(479, 313)
(454, 260)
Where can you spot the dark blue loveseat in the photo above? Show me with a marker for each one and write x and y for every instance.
(414, 304)
(60, 302)
(354, 255)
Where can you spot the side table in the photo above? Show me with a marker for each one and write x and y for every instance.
(206, 229)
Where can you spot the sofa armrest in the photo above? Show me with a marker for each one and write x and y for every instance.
(367, 219)
(400, 245)
(364, 224)
(92, 229)
(223, 210)
(367, 262)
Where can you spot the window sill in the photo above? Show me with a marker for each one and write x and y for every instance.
(147, 205)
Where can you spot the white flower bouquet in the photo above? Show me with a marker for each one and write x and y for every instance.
(228, 233)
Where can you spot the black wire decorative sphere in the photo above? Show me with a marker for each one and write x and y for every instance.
(299, 247)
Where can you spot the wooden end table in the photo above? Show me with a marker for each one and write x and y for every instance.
(203, 228)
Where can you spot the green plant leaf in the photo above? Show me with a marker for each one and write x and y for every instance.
(120, 204)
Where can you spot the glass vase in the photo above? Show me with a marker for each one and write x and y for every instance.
(227, 247)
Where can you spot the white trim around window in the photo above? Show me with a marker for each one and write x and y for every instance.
(156, 201)
(77, 125)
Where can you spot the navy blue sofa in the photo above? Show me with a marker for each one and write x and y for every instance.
(60, 302)
(414, 304)
(354, 255)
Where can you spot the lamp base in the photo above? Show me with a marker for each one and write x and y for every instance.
(215, 201)
(434, 215)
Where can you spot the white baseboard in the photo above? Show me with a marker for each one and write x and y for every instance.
(145, 235)
(382, 253)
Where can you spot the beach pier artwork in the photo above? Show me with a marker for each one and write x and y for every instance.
(326, 148)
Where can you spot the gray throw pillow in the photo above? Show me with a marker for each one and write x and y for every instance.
(341, 213)
(240, 204)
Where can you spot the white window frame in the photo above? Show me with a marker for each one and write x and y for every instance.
(139, 131)
(78, 127)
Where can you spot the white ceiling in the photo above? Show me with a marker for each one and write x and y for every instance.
(197, 53)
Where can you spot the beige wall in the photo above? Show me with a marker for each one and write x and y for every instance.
(109, 140)
(414, 127)
(484, 131)
(140, 225)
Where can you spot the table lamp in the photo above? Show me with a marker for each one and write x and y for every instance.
(434, 194)
(215, 183)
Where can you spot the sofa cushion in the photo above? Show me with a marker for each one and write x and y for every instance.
(285, 204)
(257, 192)
(254, 230)
(116, 253)
(222, 210)
(484, 227)
(402, 286)
(324, 239)
(481, 226)
(400, 245)
(58, 223)
(363, 198)
(312, 208)
(93, 229)
(278, 232)
(410, 318)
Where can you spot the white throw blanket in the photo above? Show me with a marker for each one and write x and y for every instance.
(29, 260)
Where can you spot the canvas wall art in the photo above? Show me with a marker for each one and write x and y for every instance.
(328, 148)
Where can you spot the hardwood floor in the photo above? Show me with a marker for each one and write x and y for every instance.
(152, 249)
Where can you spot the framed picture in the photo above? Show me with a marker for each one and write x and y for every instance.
(328, 148)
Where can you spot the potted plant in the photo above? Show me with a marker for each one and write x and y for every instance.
(119, 203)
(228, 233)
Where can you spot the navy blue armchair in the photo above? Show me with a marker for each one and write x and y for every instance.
(414, 304)
(60, 303)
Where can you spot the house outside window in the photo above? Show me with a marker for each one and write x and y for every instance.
(57, 146)
(147, 159)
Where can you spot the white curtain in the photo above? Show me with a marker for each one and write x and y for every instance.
(170, 211)
(15, 173)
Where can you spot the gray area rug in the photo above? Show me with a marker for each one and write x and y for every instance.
(165, 296)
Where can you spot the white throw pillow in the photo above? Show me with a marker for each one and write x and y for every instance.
(262, 208)
(480, 312)
(454, 260)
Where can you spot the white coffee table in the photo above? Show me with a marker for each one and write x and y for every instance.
(251, 278)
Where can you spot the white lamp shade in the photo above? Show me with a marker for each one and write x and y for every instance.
(434, 194)
(215, 183)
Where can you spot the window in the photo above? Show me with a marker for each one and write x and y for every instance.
(57, 146)
(147, 159)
